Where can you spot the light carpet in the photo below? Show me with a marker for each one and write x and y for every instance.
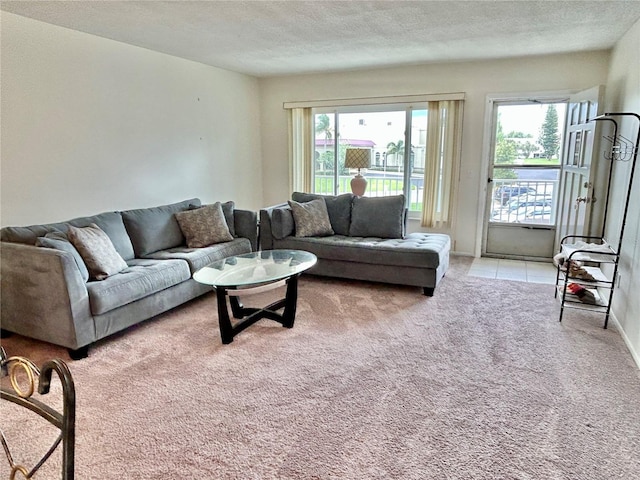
(374, 381)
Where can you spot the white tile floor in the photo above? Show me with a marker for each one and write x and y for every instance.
(518, 270)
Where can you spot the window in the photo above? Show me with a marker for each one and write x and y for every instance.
(394, 169)
(415, 150)
(526, 160)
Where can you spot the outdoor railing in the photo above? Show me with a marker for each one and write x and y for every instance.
(528, 201)
(538, 196)
(376, 187)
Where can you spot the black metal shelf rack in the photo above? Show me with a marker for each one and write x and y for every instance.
(595, 251)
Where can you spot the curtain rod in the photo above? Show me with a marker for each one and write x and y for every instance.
(342, 102)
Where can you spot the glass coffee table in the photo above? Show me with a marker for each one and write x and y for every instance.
(252, 273)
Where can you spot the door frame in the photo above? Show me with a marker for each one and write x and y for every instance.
(487, 147)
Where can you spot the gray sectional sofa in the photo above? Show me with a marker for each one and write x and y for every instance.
(368, 241)
(46, 293)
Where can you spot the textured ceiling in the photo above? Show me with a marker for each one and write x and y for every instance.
(266, 38)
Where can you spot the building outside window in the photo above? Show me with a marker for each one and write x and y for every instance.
(395, 169)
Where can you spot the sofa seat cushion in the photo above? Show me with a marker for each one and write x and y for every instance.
(198, 258)
(424, 250)
(140, 279)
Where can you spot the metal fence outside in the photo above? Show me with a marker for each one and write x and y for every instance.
(377, 186)
(532, 201)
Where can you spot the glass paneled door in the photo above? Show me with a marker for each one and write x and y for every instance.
(578, 176)
(524, 177)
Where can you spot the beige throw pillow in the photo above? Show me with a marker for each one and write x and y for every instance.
(204, 226)
(97, 251)
(311, 218)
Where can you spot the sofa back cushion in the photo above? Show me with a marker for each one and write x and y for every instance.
(338, 207)
(381, 217)
(154, 229)
(110, 222)
(31, 233)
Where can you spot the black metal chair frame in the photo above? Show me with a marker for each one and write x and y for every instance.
(64, 421)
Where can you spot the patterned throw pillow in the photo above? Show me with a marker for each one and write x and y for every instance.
(228, 210)
(338, 208)
(204, 226)
(311, 218)
(97, 251)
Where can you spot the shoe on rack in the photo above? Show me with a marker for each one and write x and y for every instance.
(576, 271)
(559, 259)
(584, 295)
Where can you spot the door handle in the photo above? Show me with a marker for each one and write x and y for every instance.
(579, 200)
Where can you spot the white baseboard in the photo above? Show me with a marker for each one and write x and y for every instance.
(462, 254)
(635, 355)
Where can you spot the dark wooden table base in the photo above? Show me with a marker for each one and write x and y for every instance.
(247, 316)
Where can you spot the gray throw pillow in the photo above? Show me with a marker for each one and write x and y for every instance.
(311, 218)
(204, 226)
(227, 210)
(338, 207)
(97, 251)
(381, 217)
(282, 223)
(59, 241)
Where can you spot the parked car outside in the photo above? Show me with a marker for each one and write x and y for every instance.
(529, 201)
(525, 208)
(506, 192)
(538, 215)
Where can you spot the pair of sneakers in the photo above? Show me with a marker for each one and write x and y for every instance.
(584, 295)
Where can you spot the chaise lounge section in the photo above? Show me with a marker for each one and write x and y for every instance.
(367, 240)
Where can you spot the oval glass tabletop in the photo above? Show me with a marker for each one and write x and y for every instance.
(255, 268)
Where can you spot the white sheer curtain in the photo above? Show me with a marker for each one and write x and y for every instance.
(301, 149)
(444, 135)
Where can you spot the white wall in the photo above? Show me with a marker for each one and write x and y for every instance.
(623, 95)
(476, 79)
(90, 125)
